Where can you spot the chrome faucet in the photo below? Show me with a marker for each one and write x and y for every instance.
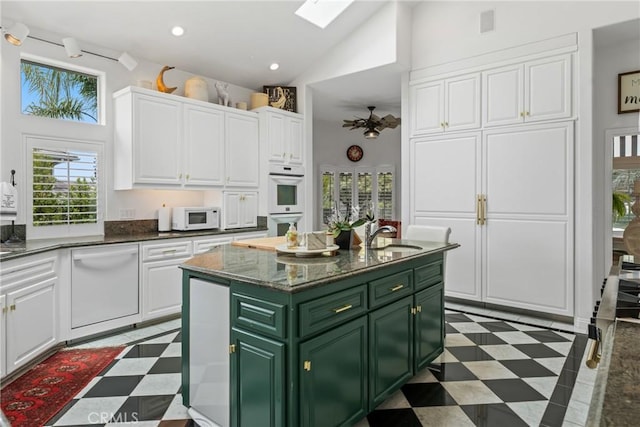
(368, 236)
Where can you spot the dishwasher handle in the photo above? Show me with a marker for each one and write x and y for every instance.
(82, 257)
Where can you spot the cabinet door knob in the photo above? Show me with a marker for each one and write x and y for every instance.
(187, 177)
(522, 114)
(526, 113)
(446, 124)
(12, 307)
(307, 365)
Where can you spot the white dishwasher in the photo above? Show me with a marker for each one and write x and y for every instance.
(104, 284)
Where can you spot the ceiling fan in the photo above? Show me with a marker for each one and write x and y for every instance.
(373, 125)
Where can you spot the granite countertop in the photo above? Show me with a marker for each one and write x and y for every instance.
(31, 247)
(288, 273)
(617, 389)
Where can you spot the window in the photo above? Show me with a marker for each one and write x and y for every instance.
(626, 171)
(57, 92)
(64, 188)
(362, 185)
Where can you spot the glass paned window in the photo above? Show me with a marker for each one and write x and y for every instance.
(626, 171)
(365, 188)
(346, 188)
(385, 195)
(65, 187)
(328, 182)
(54, 92)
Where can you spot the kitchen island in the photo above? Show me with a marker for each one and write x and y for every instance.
(272, 339)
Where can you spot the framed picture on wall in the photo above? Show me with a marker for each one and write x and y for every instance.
(629, 92)
(283, 97)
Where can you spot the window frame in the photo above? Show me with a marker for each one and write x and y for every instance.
(354, 171)
(67, 230)
(65, 66)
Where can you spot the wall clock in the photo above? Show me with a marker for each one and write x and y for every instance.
(354, 153)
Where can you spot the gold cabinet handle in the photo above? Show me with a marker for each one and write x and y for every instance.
(419, 309)
(232, 348)
(12, 307)
(397, 287)
(446, 124)
(343, 308)
(307, 365)
(479, 209)
(188, 176)
(521, 113)
(413, 311)
(484, 209)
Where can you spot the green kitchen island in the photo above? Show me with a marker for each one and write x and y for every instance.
(271, 339)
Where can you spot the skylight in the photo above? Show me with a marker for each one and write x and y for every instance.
(322, 12)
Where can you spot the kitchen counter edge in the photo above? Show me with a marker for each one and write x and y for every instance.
(36, 246)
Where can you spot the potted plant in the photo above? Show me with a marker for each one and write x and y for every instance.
(341, 223)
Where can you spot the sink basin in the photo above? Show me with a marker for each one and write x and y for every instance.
(400, 248)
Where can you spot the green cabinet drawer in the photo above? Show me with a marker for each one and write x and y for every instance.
(257, 315)
(429, 274)
(331, 310)
(390, 288)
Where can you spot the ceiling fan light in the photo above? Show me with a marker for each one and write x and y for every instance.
(371, 134)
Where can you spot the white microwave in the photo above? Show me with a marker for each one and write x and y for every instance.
(195, 218)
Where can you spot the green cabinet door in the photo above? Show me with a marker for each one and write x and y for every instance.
(333, 376)
(391, 344)
(257, 381)
(429, 337)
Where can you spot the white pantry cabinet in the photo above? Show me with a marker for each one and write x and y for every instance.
(447, 105)
(516, 240)
(240, 209)
(282, 132)
(29, 300)
(166, 141)
(527, 92)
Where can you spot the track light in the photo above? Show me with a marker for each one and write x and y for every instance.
(72, 48)
(16, 34)
(128, 61)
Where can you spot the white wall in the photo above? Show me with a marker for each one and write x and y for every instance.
(609, 61)
(15, 124)
(444, 32)
(330, 143)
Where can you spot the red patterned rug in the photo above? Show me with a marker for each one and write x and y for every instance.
(41, 392)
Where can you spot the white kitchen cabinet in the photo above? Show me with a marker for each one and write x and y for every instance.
(203, 245)
(516, 245)
(165, 141)
(527, 92)
(445, 105)
(282, 132)
(203, 146)
(161, 277)
(242, 150)
(29, 300)
(148, 139)
(240, 209)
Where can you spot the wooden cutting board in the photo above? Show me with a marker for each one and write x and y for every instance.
(268, 243)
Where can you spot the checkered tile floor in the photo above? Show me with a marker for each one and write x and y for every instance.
(492, 373)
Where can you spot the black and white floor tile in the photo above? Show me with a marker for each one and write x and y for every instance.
(493, 372)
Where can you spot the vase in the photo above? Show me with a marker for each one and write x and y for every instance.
(343, 240)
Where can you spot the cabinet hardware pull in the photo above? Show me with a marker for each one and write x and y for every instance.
(413, 311)
(180, 176)
(419, 309)
(169, 251)
(484, 209)
(397, 287)
(479, 209)
(522, 114)
(442, 124)
(4, 310)
(446, 124)
(526, 113)
(341, 309)
(232, 348)
(283, 154)
(188, 177)
(307, 365)
(12, 307)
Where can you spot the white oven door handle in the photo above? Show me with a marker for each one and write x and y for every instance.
(286, 180)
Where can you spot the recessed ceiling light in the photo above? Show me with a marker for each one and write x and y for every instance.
(177, 31)
(274, 66)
